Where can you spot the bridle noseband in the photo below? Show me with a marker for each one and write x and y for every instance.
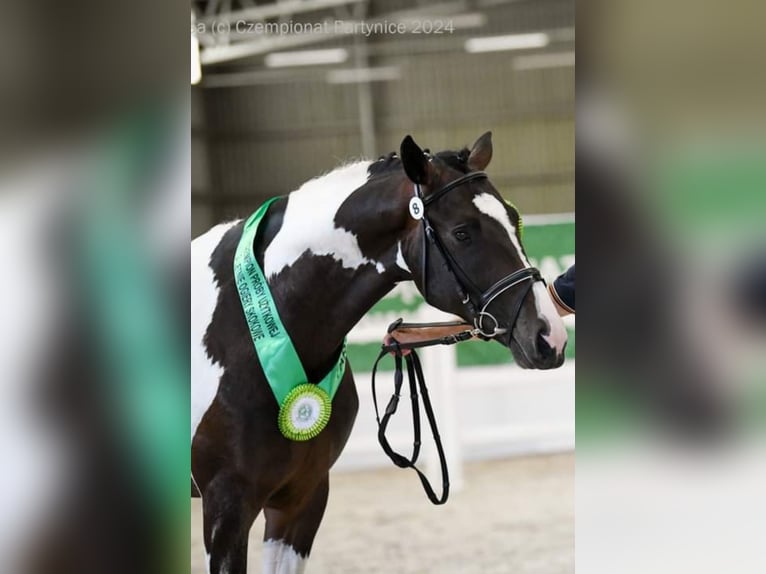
(476, 300)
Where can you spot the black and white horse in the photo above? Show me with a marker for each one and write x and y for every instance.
(330, 250)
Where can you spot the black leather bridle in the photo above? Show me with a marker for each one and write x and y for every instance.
(476, 301)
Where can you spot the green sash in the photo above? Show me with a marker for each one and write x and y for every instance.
(304, 408)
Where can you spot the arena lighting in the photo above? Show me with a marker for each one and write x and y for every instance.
(538, 61)
(306, 58)
(362, 75)
(510, 42)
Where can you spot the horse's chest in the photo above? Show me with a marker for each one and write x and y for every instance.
(241, 428)
(234, 412)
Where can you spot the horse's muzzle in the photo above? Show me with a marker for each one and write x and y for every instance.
(535, 352)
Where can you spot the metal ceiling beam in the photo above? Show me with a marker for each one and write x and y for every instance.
(217, 54)
(220, 54)
(287, 8)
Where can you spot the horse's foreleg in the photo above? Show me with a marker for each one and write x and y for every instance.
(229, 509)
(287, 541)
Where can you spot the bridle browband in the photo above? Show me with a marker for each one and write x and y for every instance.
(476, 300)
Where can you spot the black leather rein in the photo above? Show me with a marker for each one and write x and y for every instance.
(416, 382)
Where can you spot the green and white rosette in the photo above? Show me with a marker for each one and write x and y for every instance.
(305, 412)
(304, 408)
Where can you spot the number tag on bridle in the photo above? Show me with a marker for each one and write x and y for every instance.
(416, 208)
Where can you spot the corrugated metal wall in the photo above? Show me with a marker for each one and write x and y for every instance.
(266, 139)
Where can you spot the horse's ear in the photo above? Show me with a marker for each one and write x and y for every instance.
(481, 152)
(415, 162)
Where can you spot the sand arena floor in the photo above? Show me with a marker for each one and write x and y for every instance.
(512, 516)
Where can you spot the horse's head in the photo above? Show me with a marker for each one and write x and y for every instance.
(467, 257)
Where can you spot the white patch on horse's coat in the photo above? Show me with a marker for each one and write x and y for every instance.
(281, 558)
(205, 374)
(494, 208)
(557, 337)
(400, 258)
(489, 205)
(309, 223)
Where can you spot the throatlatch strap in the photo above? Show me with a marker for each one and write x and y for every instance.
(416, 380)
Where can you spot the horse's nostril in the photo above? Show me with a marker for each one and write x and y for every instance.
(543, 348)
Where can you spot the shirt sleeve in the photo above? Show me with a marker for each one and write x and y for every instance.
(563, 289)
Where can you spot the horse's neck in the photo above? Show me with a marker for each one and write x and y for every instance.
(329, 309)
(354, 249)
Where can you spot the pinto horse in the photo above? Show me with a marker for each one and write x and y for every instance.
(330, 251)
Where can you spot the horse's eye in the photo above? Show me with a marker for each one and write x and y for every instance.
(461, 235)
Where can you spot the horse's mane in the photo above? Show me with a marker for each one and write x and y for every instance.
(391, 162)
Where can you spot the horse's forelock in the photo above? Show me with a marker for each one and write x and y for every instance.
(455, 159)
